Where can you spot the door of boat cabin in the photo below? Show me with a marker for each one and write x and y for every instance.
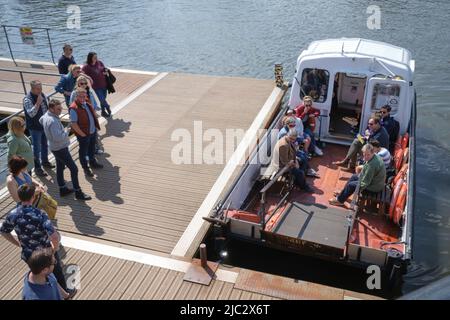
(346, 105)
(381, 91)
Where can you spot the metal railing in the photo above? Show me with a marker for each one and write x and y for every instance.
(35, 31)
(21, 111)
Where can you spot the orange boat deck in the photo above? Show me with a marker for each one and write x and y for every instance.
(369, 230)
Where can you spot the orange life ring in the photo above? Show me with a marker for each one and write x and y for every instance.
(401, 174)
(405, 155)
(398, 143)
(394, 198)
(398, 159)
(405, 140)
(400, 204)
(243, 215)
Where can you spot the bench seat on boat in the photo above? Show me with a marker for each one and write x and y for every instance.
(374, 200)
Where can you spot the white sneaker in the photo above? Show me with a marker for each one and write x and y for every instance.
(318, 151)
(312, 173)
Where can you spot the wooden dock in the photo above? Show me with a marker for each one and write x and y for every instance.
(143, 202)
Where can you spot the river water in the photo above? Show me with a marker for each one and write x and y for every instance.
(246, 38)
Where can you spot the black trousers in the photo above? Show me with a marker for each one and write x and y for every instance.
(59, 273)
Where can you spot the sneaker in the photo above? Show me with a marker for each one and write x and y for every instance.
(72, 293)
(105, 115)
(312, 173)
(48, 165)
(308, 189)
(318, 151)
(40, 173)
(88, 172)
(80, 195)
(99, 151)
(335, 202)
(95, 165)
(65, 191)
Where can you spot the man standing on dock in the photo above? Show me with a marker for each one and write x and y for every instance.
(58, 139)
(66, 59)
(85, 124)
(35, 105)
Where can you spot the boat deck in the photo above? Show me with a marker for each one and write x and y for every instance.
(369, 230)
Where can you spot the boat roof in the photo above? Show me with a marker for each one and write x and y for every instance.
(359, 46)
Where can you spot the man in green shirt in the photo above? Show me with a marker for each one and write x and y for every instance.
(372, 177)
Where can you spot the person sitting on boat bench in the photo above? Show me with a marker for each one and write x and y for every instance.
(284, 153)
(390, 124)
(383, 153)
(307, 113)
(375, 131)
(372, 177)
(302, 140)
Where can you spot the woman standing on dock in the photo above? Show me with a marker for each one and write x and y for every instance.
(18, 143)
(95, 69)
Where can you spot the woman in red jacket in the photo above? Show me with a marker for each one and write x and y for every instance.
(308, 114)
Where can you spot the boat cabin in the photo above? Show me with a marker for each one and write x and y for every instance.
(350, 79)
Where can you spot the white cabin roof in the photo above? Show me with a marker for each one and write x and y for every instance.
(359, 46)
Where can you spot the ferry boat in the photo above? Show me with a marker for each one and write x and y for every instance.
(356, 77)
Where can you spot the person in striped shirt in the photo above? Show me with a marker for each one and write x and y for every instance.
(383, 153)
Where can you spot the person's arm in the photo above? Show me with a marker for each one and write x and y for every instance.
(74, 123)
(10, 238)
(315, 112)
(284, 155)
(60, 87)
(366, 176)
(55, 239)
(7, 227)
(72, 97)
(94, 100)
(38, 185)
(12, 188)
(77, 129)
(63, 292)
(13, 146)
(30, 108)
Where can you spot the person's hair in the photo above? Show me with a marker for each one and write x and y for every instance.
(387, 107)
(74, 66)
(367, 148)
(79, 91)
(35, 83)
(375, 143)
(53, 103)
(375, 118)
(307, 98)
(15, 123)
(89, 58)
(288, 120)
(79, 79)
(40, 259)
(66, 45)
(292, 133)
(26, 192)
(17, 164)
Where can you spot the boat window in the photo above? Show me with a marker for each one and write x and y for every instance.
(386, 93)
(315, 84)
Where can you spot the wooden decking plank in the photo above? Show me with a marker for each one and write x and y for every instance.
(166, 285)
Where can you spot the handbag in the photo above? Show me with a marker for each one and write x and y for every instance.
(46, 203)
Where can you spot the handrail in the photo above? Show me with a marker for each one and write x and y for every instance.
(274, 179)
(46, 30)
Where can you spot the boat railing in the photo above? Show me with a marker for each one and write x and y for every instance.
(20, 39)
(21, 111)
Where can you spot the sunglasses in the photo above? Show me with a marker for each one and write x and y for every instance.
(83, 83)
(371, 124)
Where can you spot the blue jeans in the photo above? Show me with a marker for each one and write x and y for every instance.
(63, 159)
(40, 149)
(349, 188)
(101, 94)
(304, 163)
(312, 146)
(299, 177)
(87, 148)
